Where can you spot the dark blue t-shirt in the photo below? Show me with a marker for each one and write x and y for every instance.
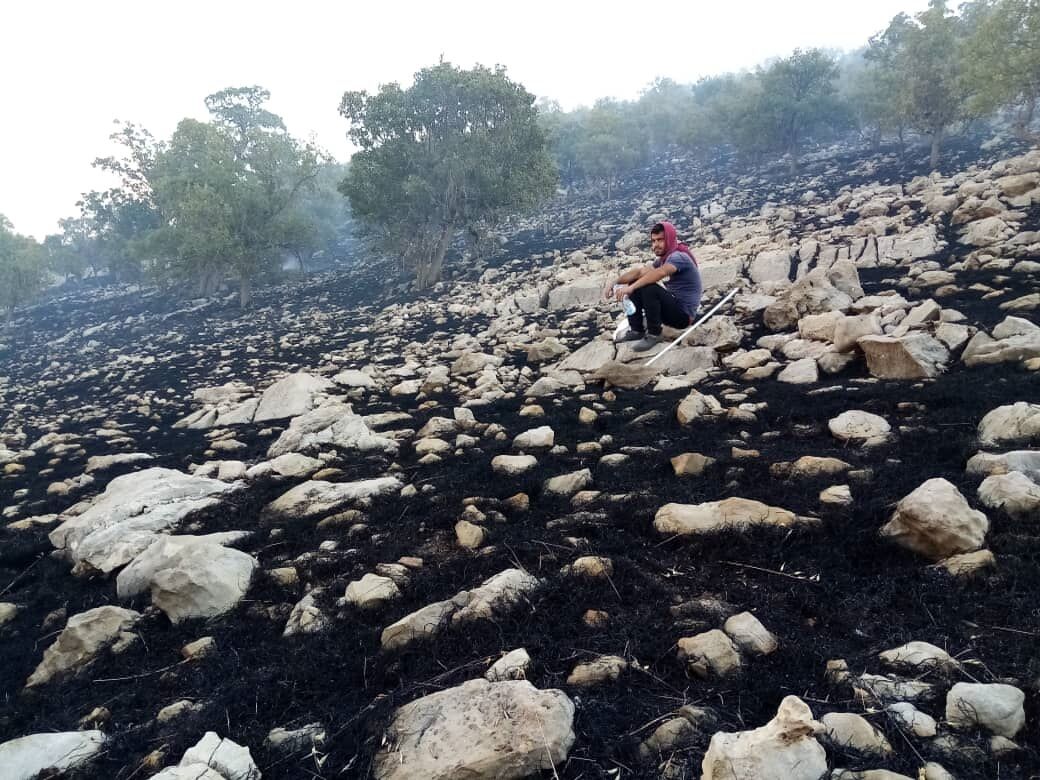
(685, 283)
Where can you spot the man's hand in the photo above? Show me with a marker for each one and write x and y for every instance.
(622, 291)
(608, 290)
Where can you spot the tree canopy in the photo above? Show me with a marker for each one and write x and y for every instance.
(457, 149)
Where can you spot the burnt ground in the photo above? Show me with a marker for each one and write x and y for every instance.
(835, 590)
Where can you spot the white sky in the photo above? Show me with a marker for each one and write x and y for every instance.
(68, 69)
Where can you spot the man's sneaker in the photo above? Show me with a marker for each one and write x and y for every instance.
(645, 344)
(632, 335)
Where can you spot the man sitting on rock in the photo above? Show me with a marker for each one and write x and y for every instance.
(673, 304)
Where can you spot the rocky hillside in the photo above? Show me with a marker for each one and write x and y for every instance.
(356, 532)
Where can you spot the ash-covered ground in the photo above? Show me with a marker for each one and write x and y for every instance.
(345, 438)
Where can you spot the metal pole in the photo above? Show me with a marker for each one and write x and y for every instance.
(698, 322)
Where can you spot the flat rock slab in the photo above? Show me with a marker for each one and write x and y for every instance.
(84, 636)
(494, 596)
(314, 498)
(132, 511)
(293, 395)
(728, 514)
(24, 758)
(331, 425)
(481, 731)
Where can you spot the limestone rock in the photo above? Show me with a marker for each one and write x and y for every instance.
(696, 405)
(1015, 493)
(306, 616)
(783, 749)
(125, 519)
(536, 438)
(313, 498)
(728, 514)
(800, 372)
(589, 357)
(495, 596)
(82, 639)
(192, 578)
(936, 521)
(860, 427)
(568, 484)
(750, 635)
(512, 666)
(291, 396)
(222, 755)
(371, 591)
(853, 731)
(26, 757)
(709, 654)
(1017, 423)
(918, 657)
(996, 707)
(606, 668)
(691, 464)
(513, 465)
(333, 424)
(919, 723)
(915, 356)
(461, 732)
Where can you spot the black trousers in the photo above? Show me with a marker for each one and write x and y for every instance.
(659, 306)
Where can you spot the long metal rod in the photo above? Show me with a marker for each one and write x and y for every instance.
(683, 335)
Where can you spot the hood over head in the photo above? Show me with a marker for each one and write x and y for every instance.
(671, 242)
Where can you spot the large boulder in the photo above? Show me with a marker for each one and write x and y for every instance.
(333, 424)
(771, 266)
(914, 356)
(936, 521)
(189, 576)
(996, 707)
(291, 396)
(83, 638)
(317, 497)
(26, 757)
(133, 510)
(231, 760)
(783, 749)
(478, 730)
(819, 291)
(1017, 423)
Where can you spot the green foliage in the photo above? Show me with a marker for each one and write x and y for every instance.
(920, 59)
(1001, 58)
(218, 197)
(459, 148)
(21, 267)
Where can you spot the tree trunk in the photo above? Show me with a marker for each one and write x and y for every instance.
(937, 138)
(299, 259)
(876, 140)
(245, 292)
(1024, 119)
(428, 272)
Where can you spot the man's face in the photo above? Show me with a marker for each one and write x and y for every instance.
(657, 243)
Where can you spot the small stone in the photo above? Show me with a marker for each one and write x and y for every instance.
(469, 535)
(512, 666)
(520, 502)
(593, 567)
(513, 465)
(711, 653)
(96, 717)
(836, 495)
(606, 668)
(968, 564)
(912, 719)
(371, 591)
(286, 576)
(568, 484)
(7, 612)
(177, 709)
(595, 618)
(750, 635)
(587, 416)
(853, 731)
(200, 648)
(691, 464)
